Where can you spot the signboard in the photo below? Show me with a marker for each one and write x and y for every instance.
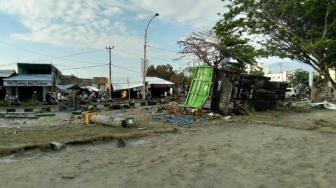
(27, 83)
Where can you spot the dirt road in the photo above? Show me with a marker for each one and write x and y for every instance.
(214, 156)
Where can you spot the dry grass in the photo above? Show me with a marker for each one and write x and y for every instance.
(321, 120)
(38, 138)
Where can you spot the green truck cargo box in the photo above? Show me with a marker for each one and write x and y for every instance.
(200, 87)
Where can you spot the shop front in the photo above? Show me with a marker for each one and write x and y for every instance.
(27, 87)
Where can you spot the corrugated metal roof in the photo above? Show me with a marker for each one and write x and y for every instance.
(159, 81)
(29, 77)
(6, 73)
(122, 85)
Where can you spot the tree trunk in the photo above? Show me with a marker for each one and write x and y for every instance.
(327, 76)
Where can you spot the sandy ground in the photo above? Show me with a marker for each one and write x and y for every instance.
(221, 155)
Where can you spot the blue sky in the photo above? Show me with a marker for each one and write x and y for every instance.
(44, 31)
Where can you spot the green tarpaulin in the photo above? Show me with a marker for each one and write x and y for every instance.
(200, 87)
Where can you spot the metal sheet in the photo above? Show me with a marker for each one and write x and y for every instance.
(200, 87)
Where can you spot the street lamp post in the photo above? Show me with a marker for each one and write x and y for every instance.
(145, 59)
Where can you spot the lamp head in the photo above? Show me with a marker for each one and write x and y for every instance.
(156, 14)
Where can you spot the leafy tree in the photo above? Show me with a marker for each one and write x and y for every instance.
(303, 30)
(214, 46)
(167, 72)
(257, 72)
(204, 45)
(161, 71)
(300, 77)
(69, 79)
(180, 79)
(232, 43)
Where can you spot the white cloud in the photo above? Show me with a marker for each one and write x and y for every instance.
(193, 12)
(95, 24)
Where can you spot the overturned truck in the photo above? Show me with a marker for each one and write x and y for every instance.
(234, 92)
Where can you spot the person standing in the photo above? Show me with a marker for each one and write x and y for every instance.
(308, 92)
(34, 97)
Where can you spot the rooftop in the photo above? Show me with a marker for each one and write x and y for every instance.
(30, 77)
(121, 85)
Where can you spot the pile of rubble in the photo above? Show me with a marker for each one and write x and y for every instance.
(307, 103)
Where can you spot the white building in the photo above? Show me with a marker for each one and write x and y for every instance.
(285, 76)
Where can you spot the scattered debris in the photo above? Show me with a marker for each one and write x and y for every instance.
(56, 146)
(227, 117)
(142, 128)
(130, 121)
(325, 104)
(179, 120)
(76, 112)
(45, 109)
(10, 110)
(27, 115)
(20, 115)
(109, 121)
(28, 110)
(68, 177)
(200, 87)
(43, 114)
(307, 103)
(121, 142)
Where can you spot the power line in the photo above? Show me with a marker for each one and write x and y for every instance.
(120, 67)
(164, 49)
(24, 49)
(79, 53)
(42, 54)
(61, 57)
(138, 54)
(75, 54)
(100, 65)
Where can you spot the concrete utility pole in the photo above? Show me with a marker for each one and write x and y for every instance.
(129, 90)
(110, 66)
(145, 59)
(282, 78)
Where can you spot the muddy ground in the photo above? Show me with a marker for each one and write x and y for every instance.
(270, 149)
(20, 135)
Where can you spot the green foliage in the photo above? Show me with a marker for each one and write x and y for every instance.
(223, 41)
(167, 72)
(300, 77)
(69, 79)
(180, 79)
(304, 30)
(161, 71)
(232, 44)
(257, 72)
